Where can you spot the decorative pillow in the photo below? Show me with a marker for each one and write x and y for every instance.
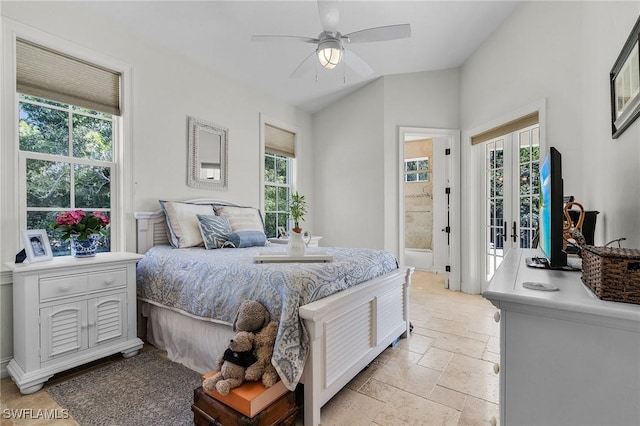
(215, 230)
(242, 218)
(242, 239)
(182, 222)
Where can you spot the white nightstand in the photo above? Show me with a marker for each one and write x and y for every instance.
(315, 241)
(70, 311)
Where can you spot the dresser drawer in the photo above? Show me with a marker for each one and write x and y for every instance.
(108, 279)
(63, 286)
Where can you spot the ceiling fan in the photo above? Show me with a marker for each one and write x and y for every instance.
(330, 43)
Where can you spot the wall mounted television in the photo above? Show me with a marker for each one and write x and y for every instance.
(551, 220)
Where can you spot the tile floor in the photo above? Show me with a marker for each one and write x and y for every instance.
(442, 375)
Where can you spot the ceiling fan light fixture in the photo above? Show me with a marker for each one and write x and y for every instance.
(330, 53)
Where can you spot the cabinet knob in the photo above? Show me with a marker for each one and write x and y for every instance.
(496, 368)
(83, 325)
(108, 281)
(64, 288)
(496, 316)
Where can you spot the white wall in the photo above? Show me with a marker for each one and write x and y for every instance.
(166, 89)
(349, 183)
(561, 53)
(356, 154)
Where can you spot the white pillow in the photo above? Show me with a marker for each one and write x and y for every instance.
(182, 221)
(241, 218)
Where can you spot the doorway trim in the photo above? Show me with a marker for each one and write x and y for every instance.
(454, 200)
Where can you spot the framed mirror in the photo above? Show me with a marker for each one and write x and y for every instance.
(207, 168)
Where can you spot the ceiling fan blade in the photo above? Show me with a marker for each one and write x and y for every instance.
(356, 63)
(284, 38)
(305, 66)
(389, 32)
(329, 15)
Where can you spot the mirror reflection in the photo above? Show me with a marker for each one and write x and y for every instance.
(207, 155)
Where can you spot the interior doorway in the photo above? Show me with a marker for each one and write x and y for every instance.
(429, 201)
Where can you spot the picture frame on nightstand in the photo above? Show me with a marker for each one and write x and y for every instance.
(36, 245)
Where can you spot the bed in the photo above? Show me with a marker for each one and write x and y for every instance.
(334, 319)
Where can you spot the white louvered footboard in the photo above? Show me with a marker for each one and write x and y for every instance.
(349, 330)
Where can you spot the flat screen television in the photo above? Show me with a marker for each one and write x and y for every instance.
(551, 214)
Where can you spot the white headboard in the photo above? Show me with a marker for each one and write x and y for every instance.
(151, 227)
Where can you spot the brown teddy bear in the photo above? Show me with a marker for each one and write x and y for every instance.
(232, 364)
(252, 316)
(263, 349)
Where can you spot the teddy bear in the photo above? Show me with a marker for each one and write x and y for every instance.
(262, 369)
(251, 316)
(232, 364)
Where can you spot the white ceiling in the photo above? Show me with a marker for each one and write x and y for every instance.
(218, 35)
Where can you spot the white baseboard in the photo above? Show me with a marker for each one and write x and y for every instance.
(3, 368)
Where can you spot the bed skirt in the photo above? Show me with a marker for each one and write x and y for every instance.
(189, 341)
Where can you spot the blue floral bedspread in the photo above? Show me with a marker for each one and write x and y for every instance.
(213, 283)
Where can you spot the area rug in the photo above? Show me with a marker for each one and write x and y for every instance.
(147, 389)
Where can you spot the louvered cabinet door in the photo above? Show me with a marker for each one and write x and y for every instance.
(63, 330)
(107, 318)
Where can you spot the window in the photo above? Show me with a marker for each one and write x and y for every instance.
(69, 139)
(416, 169)
(277, 189)
(279, 161)
(66, 157)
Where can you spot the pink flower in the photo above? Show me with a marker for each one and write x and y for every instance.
(104, 220)
(72, 217)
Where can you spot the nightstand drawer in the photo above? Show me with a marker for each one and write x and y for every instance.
(66, 286)
(107, 280)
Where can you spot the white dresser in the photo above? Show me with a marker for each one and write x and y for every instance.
(566, 357)
(70, 311)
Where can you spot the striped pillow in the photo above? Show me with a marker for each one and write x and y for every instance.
(241, 218)
(215, 230)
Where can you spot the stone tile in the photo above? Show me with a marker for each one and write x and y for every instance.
(409, 377)
(479, 412)
(448, 397)
(460, 345)
(436, 359)
(378, 390)
(348, 407)
(447, 326)
(416, 343)
(471, 376)
(408, 409)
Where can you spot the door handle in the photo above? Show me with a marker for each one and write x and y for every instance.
(514, 236)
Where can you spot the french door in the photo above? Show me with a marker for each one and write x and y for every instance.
(512, 165)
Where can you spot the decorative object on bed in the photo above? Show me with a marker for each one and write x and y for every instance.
(297, 246)
(334, 318)
(207, 159)
(284, 257)
(297, 210)
(82, 229)
(182, 222)
(215, 230)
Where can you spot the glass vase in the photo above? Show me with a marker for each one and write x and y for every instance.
(84, 248)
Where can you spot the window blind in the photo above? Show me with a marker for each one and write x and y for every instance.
(280, 142)
(505, 129)
(53, 75)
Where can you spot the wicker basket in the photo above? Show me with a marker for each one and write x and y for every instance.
(612, 273)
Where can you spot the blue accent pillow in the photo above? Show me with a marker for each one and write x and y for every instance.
(242, 239)
(215, 230)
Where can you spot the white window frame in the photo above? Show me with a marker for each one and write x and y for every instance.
(293, 162)
(12, 218)
(417, 171)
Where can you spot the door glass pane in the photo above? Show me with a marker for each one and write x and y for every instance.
(529, 163)
(495, 205)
